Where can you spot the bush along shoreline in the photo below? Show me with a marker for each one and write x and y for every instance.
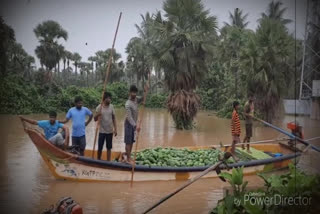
(18, 96)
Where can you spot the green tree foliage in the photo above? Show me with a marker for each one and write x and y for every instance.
(7, 38)
(138, 59)
(291, 185)
(76, 58)
(275, 12)
(264, 61)
(181, 45)
(18, 96)
(181, 50)
(237, 19)
(49, 51)
(101, 59)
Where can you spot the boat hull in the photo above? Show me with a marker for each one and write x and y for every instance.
(64, 165)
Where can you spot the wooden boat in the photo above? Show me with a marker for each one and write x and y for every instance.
(64, 165)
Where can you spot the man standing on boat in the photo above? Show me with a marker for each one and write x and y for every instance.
(78, 115)
(248, 112)
(235, 127)
(130, 124)
(108, 125)
(51, 128)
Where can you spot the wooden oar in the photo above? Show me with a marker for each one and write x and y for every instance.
(105, 84)
(286, 133)
(226, 156)
(139, 125)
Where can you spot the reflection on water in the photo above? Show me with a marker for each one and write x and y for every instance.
(27, 186)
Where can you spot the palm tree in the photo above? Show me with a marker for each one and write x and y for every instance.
(274, 11)
(232, 38)
(60, 55)
(264, 61)
(18, 60)
(137, 51)
(93, 59)
(48, 33)
(183, 43)
(101, 58)
(237, 19)
(68, 56)
(76, 58)
(85, 68)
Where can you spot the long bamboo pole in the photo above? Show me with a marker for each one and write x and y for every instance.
(287, 133)
(105, 83)
(264, 141)
(139, 125)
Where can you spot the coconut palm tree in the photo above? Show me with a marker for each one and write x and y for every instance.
(237, 19)
(232, 38)
(101, 58)
(76, 58)
(137, 51)
(275, 11)
(183, 43)
(93, 60)
(68, 56)
(265, 60)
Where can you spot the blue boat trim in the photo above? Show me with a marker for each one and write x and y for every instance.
(142, 168)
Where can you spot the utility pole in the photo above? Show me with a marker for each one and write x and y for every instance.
(304, 51)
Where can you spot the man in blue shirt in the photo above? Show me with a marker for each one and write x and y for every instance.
(78, 115)
(51, 128)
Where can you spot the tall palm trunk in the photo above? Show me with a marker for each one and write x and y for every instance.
(76, 67)
(64, 64)
(88, 79)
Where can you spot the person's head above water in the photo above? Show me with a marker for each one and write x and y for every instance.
(78, 102)
(133, 92)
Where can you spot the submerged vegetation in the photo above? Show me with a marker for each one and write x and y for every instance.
(192, 64)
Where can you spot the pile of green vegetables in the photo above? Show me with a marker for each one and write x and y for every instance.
(178, 157)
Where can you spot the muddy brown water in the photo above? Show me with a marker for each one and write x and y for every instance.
(26, 185)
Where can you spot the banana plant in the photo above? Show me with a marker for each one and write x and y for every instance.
(236, 180)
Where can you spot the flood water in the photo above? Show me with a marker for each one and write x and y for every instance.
(26, 185)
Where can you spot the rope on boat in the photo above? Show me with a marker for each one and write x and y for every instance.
(105, 84)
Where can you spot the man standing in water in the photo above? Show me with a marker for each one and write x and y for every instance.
(235, 127)
(78, 115)
(130, 124)
(248, 112)
(51, 128)
(108, 125)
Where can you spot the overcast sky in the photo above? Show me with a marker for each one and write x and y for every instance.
(94, 21)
